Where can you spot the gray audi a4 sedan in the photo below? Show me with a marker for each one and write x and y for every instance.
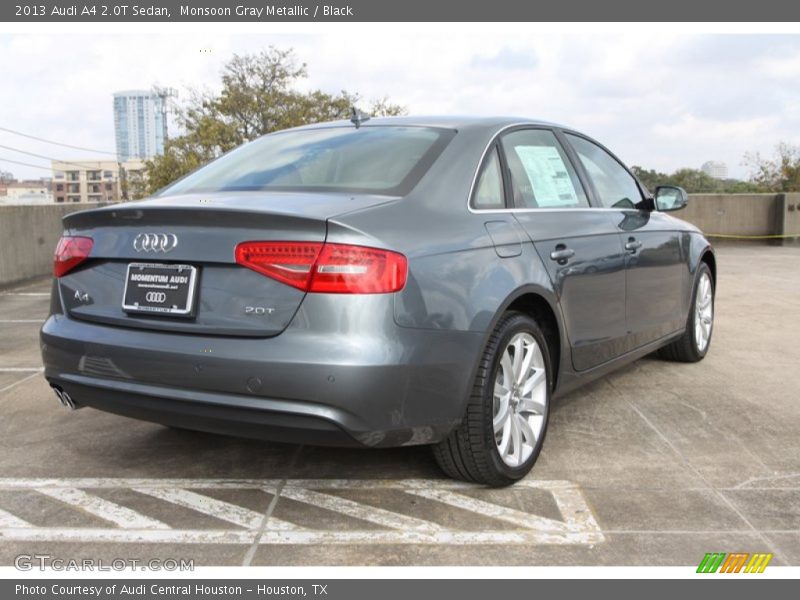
(376, 283)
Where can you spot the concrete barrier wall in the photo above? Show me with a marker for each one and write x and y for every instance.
(790, 211)
(28, 237)
(28, 234)
(733, 214)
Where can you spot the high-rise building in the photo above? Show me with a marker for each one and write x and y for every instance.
(140, 125)
(717, 170)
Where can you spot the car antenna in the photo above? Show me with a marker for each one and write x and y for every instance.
(357, 117)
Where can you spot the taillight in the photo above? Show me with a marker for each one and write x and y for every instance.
(343, 269)
(326, 268)
(70, 252)
(288, 262)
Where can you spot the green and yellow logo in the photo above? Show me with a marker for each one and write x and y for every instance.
(736, 562)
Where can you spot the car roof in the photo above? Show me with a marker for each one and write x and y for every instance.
(447, 122)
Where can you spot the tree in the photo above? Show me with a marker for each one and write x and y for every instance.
(258, 96)
(696, 182)
(650, 177)
(134, 184)
(692, 180)
(780, 173)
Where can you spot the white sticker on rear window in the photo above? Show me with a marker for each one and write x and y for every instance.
(548, 175)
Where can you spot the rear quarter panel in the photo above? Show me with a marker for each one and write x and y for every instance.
(457, 280)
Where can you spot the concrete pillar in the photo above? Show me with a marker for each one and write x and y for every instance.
(789, 218)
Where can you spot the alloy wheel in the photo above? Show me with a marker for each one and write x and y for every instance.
(520, 398)
(703, 312)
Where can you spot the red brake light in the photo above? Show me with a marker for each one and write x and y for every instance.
(326, 268)
(70, 252)
(288, 262)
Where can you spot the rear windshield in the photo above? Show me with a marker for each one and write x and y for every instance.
(371, 159)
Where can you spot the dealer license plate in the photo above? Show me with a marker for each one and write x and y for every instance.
(160, 289)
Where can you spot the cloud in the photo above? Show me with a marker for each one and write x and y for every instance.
(661, 101)
(507, 59)
(731, 51)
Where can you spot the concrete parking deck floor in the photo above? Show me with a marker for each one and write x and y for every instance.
(657, 464)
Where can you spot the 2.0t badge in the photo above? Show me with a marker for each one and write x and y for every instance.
(155, 242)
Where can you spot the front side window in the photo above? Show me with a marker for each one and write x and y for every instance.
(370, 159)
(541, 174)
(489, 192)
(615, 187)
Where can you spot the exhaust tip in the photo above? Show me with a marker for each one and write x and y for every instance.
(64, 399)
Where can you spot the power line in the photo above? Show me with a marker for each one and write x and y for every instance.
(66, 162)
(16, 162)
(33, 137)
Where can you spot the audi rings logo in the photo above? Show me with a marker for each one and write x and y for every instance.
(155, 242)
(156, 297)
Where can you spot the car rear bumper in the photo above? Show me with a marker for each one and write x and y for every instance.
(227, 414)
(362, 382)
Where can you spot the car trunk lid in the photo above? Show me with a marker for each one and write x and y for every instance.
(199, 232)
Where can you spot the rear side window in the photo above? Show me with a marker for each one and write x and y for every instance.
(489, 190)
(541, 174)
(615, 187)
(370, 159)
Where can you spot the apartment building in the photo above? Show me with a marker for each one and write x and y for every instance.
(25, 192)
(95, 180)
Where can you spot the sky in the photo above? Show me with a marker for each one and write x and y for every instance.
(658, 100)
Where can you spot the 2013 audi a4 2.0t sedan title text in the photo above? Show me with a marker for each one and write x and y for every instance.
(377, 283)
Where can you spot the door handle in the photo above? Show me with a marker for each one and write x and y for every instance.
(633, 245)
(561, 254)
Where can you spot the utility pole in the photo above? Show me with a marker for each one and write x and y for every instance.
(123, 183)
(164, 93)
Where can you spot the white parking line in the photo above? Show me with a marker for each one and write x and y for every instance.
(11, 321)
(9, 520)
(300, 537)
(120, 516)
(364, 512)
(448, 537)
(578, 525)
(21, 369)
(16, 383)
(126, 536)
(11, 483)
(24, 293)
(509, 515)
(225, 511)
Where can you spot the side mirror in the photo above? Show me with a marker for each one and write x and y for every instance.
(671, 197)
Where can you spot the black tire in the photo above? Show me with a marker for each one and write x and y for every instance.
(685, 349)
(470, 452)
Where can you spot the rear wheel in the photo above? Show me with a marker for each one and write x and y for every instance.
(504, 427)
(694, 344)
